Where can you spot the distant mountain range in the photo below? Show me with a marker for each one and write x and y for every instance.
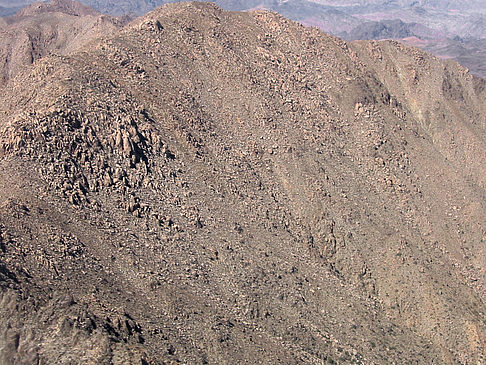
(8, 11)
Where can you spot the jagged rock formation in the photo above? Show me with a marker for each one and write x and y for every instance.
(40, 29)
(216, 187)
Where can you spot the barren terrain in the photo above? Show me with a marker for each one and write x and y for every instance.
(212, 187)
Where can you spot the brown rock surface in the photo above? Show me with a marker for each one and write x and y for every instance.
(216, 187)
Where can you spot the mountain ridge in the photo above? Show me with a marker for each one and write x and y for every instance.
(447, 29)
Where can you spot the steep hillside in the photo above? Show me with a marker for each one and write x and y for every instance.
(59, 27)
(225, 188)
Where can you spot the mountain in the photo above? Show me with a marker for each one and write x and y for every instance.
(59, 27)
(213, 187)
(386, 29)
(470, 52)
(10, 7)
(436, 24)
(8, 11)
(433, 4)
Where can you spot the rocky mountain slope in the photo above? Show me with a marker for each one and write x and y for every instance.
(214, 187)
(40, 29)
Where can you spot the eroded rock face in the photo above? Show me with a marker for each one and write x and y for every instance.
(215, 187)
